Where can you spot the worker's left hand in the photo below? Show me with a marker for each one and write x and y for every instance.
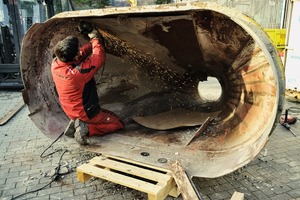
(89, 29)
(85, 27)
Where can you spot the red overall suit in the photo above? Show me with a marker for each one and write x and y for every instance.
(77, 90)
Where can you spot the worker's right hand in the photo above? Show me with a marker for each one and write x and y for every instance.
(94, 34)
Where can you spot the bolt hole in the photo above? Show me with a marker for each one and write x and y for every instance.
(145, 154)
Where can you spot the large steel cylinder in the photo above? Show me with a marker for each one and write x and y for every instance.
(156, 58)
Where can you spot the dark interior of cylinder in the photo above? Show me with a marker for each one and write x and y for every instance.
(157, 64)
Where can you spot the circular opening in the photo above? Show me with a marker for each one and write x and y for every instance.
(210, 90)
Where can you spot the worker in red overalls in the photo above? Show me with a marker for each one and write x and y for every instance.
(73, 72)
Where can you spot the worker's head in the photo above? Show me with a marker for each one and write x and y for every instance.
(67, 49)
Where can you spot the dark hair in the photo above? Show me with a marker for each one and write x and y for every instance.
(66, 49)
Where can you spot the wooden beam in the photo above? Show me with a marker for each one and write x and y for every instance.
(12, 112)
(183, 182)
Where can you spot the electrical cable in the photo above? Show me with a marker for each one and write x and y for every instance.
(55, 176)
(32, 191)
(103, 67)
(43, 156)
(97, 82)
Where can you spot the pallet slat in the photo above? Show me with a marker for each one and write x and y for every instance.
(142, 164)
(130, 169)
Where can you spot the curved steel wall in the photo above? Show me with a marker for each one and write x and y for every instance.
(156, 56)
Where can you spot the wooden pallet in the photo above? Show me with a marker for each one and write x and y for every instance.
(158, 183)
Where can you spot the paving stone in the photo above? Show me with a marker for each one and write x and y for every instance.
(84, 190)
(206, 191)
(223, 187)
(294, 177)
(98, 195)
(260, 195)
(281, 160)
(281, 189)
(281, 197)
(13, 191)
(280, 167)
(49, 191)
(269, 191)
(6, 198)
(80, 197)
(115, 197)
(220, 195)
(62, 195)
(294, 193)
(294, 184)
(46, 197)
(203, 183)
(10, 165)
(2, 182)
(236, 184)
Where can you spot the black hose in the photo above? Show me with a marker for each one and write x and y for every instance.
(43, 156)
(55, 176)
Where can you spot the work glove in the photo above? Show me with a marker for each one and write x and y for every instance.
(89, 30)
(94, 34)
(85, 27)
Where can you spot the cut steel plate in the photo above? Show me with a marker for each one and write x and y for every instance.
(156, 57)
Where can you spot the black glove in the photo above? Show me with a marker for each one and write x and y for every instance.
(85, 27)
(89, 30)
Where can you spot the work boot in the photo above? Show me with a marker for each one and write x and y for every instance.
(81, 132)
(70, 129)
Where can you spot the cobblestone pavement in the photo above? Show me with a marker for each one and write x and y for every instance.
(274, 174)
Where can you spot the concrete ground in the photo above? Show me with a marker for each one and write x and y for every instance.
(274, 174)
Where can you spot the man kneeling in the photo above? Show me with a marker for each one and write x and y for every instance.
(73, 72)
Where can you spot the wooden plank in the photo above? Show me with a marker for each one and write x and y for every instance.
(11, 113)
(119, 179)
(237, 196)
(152, 197)
(83, 177)
(174, 192)
(166, 188)
(130, 169)
(138, 163)
(183, 182)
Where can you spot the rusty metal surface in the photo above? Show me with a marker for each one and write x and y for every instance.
(156, 57)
